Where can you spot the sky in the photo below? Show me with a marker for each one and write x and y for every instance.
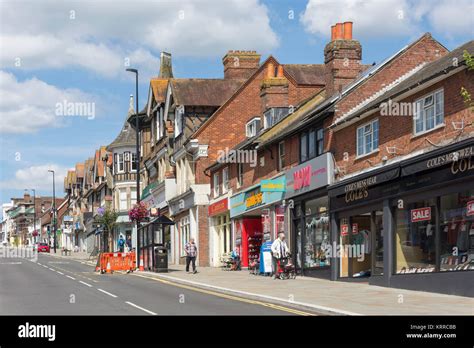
(57, 52)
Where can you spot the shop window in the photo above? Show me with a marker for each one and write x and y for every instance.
(281, 155)
(185, 231)
(415, 238)
(457, 231)
(429, 112)
(316, 233)
(368, 138)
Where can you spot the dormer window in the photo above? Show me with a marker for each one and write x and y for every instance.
(253, 127)
(273, 116)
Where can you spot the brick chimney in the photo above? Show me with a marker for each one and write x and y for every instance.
(240, 64)
(166, 69)
(274, 90)
(342, 58)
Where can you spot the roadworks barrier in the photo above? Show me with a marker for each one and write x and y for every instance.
(111, 262)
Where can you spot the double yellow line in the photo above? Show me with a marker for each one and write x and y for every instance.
(230, 297)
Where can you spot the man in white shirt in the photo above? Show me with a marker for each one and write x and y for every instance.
(279, 250)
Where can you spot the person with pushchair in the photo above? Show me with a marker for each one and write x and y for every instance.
(279, 251)
(235, 256)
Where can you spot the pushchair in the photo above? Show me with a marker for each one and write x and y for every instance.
(285, 268)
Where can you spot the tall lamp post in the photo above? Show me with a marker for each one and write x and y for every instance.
(137, 132)
(54, 212)
(34, 214)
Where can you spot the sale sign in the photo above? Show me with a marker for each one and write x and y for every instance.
(355, 228)
(420, 214)
(344, 230)
(470, 208)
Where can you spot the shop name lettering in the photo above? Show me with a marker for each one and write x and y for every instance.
(302, 178)
(462, 165)
(450, 157)
(254, 200)
(359, 190)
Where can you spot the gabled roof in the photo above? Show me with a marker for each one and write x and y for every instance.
(306, 74)
(422, 75)
(203, 92)
(79, 170)
(159, 87)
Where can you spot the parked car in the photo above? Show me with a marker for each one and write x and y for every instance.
(43, 247)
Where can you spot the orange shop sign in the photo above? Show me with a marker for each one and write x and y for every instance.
(219, 207)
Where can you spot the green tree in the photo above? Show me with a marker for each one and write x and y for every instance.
(108, 218)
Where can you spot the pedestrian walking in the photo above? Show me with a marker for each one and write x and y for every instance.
(279, 250)
(121, 243)
(191, 252)
(129, 242)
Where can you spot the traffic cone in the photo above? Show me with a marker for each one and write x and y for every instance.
(141, 264)
(108, 268)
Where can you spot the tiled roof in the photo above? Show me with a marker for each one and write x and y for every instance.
(159, 87)
(306, 74)
(79, 170)
(205, 92)
(414, 78)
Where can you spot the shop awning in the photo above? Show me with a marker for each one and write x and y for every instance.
(163, 220)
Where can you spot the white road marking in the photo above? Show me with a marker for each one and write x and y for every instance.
(45, 266)
(143, 309)
(10, 263)
(40, 264)
(71, 277)
(108, 293)
(52, 269)
(61, 273)
(80, 281)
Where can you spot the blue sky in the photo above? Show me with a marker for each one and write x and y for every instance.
(51, 51)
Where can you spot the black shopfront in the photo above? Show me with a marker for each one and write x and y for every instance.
(152, 244)
(408, 225)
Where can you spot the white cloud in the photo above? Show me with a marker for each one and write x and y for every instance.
(103, 34)
(389, 18)
(37, 177)
(26, 106)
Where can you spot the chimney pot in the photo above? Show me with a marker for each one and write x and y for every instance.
(333, 32)
(347, 30)
(339, 28)
(270, 71)
(280, 71)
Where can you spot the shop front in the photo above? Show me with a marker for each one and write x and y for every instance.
(308, 203)
(221, 230)
(257, 214)
(411, 224)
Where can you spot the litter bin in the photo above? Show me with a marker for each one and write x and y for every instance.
(161, 259)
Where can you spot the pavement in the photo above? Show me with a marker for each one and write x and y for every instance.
(305, 294)
(324, 296)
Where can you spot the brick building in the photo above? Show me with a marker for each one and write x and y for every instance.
(315, 147)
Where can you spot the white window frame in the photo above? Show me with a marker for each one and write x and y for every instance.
(281, 155)
(123, 191)
(225, 180)
(419, 106)
(366, 133)
(133, 162)
(215, 179)
(249, 132)
(121, 163)
(185, 233)
(240, 174)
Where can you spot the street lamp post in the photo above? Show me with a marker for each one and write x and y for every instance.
(137, 132)
(54, 212)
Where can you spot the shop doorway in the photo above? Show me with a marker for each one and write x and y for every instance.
(361, 245)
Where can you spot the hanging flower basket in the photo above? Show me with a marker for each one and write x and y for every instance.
(138, 213)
